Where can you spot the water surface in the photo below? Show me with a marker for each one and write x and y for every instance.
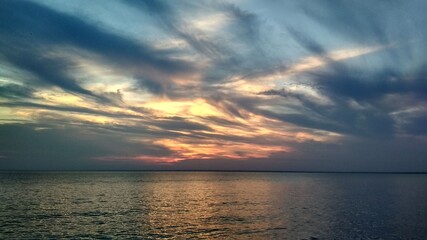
(212, 205)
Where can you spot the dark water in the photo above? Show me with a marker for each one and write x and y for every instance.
(211, 205)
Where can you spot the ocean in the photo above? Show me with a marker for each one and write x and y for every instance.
(212, 205)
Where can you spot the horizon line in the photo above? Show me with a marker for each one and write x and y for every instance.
(230, 171)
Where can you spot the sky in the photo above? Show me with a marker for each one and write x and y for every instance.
(327, 85)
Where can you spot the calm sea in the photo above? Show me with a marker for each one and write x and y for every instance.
(212, 205)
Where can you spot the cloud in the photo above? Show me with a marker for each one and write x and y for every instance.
(169, 19)
(180, 124)
(238, 52)
(358, 88)
(50, 28)
(15, 91)
(68, 109)
(411, 121)
(48, 70)
(26, 147)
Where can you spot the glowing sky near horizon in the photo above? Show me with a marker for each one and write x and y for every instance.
(246, 85)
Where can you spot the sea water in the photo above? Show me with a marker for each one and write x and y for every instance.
(212, 205)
